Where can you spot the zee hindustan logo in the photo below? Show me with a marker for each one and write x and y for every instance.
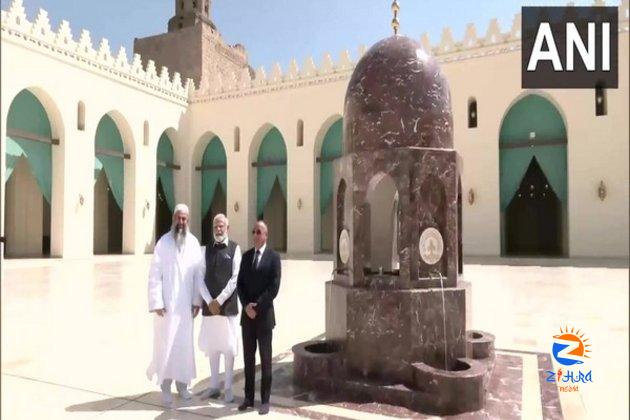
(569, 47)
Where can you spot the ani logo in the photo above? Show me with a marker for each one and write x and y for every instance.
(570, 347)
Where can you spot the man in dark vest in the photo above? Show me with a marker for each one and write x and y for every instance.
(219, 325)
(258, 285)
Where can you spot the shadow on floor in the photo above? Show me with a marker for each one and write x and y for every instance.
(197, 407)
(152, 402)
(504, 398)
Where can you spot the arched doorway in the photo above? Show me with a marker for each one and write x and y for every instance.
(109, 174)
(165, 188)
(533, 179)
(28, 180)
(382, 197)
(271, 181)
(213, 186)
(331, 149)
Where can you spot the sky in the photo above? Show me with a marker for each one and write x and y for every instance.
(280, 30)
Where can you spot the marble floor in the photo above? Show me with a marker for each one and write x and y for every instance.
(76, 337)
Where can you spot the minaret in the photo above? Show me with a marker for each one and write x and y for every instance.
(189, 13)
(193, 46)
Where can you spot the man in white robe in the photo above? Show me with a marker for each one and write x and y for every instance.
(219, 324)
(175, 276)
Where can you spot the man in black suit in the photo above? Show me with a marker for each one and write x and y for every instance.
(257, 286)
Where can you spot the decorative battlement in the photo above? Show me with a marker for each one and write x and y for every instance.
(39, 35)
(494, 41)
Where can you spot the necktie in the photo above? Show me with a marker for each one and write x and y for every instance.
(219, 245)
(256, 258)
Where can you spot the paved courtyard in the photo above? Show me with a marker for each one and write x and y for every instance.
(76, 337)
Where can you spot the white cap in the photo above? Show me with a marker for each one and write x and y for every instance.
(181, 208)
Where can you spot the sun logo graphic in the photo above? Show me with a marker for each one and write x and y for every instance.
(570, 347)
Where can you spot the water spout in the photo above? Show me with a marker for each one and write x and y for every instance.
(443, 318)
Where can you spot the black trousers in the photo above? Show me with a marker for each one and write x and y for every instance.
(253, 336)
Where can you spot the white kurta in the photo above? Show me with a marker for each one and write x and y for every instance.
(174, 280)
(220, 333)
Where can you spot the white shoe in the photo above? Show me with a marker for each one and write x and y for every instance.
(183, 392)
(228, 397)
(167, 397)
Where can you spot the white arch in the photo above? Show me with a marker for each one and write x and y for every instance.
(542, 93)
(317, 151)
(565, 210)
(129, 176)
(381, 195)
(172, 137)
(254, 147)
(57, 127)
(323, 130)
(259, 135)
(196, 160)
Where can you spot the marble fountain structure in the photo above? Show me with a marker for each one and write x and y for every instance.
(395, 311)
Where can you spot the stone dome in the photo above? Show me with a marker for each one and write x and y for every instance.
(397, 97)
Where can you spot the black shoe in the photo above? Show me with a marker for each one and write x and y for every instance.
(246, 404)
(264, 409)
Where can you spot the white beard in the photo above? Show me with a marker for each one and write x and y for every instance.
(180, 236)
(219, 239)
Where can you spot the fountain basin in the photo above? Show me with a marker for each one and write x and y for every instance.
(320, 366)
(479, 345)
(315, 363)
(404, 347)
(457, 390)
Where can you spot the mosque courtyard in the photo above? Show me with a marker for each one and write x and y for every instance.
(76, 340)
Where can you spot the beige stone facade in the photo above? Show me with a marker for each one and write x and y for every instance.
(485, 67)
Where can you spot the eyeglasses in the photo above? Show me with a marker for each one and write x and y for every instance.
(257, 232)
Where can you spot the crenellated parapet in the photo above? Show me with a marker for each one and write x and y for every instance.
(81, 52)
(475, 44)
(39, 35)
(308, 74)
